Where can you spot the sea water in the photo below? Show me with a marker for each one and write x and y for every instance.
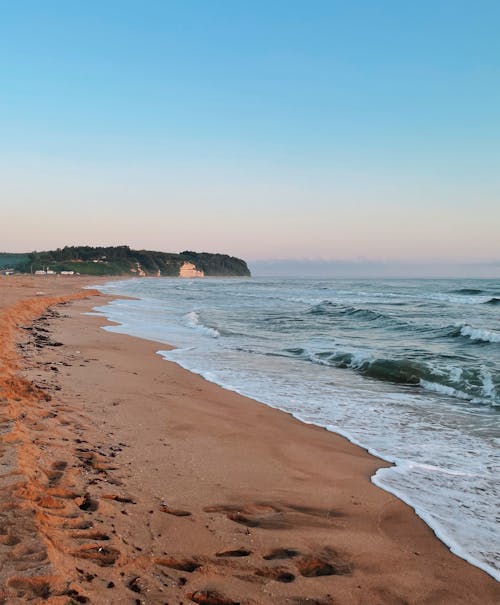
(408, 369)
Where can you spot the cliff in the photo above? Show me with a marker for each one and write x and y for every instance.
(122, 260)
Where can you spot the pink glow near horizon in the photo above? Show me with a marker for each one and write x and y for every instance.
(382, 232)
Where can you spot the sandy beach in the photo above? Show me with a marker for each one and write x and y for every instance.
(126, 479)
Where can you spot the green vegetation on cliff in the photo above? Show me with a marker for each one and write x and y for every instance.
(216, 264)
(121, 260)
(9, 260)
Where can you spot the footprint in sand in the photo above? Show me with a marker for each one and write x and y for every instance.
(37, 586)
(313, 567)
(178, 564)
(86, 503)
(279, 574)
(164, 508)
(8, 538)
(281, 553)
(238, 552)
(89, 535)
(211, 597)
(102, 556)
(136, 584)
(266, 515)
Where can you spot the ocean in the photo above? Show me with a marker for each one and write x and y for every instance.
(408, 369)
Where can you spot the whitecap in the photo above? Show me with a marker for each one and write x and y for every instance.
(192, 320)
(480, 334)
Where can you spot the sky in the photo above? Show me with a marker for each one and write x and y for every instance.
(332, 130)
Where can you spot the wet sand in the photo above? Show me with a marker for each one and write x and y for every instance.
(126, 479)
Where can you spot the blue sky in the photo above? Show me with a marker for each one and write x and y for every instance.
(331, 130)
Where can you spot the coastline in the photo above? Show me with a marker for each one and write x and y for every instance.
(194, 501)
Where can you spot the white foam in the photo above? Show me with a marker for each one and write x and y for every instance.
(480, 334)
(409, 465)
(359, 358)
(459, 299)
(488, 387)
(381, 480)
(444, 390)
(193, 321)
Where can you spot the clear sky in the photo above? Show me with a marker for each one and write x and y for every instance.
(332, 130)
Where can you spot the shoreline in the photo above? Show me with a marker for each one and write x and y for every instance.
(385, 462)
(212, 484)
(388, 460)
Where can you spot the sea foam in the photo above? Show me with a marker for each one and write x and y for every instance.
(480, 334)
(193, 321)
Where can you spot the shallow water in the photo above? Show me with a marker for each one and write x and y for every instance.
(409, 369)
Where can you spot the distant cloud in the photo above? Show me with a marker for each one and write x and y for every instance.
(370, 269)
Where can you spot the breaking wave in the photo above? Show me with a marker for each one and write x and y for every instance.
(476, 385)
(192, 320)
(480, 334)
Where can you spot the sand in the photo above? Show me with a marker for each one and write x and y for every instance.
(126, 479)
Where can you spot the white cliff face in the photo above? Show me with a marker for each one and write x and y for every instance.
(139, 270)
(190, 270)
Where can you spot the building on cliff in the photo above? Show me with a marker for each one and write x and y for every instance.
(190, 270)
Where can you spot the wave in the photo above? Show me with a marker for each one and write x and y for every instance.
(475, 384)
(444, 389)
(392, 370)
(325, 307)
(296, 351)
(329, 308)
(382, 320)
(385, 321)
(192, 320)
(471, 291)
(459, 299)
(479, 334)
(364, 314)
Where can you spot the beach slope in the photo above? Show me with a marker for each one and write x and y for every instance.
(126, 479)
